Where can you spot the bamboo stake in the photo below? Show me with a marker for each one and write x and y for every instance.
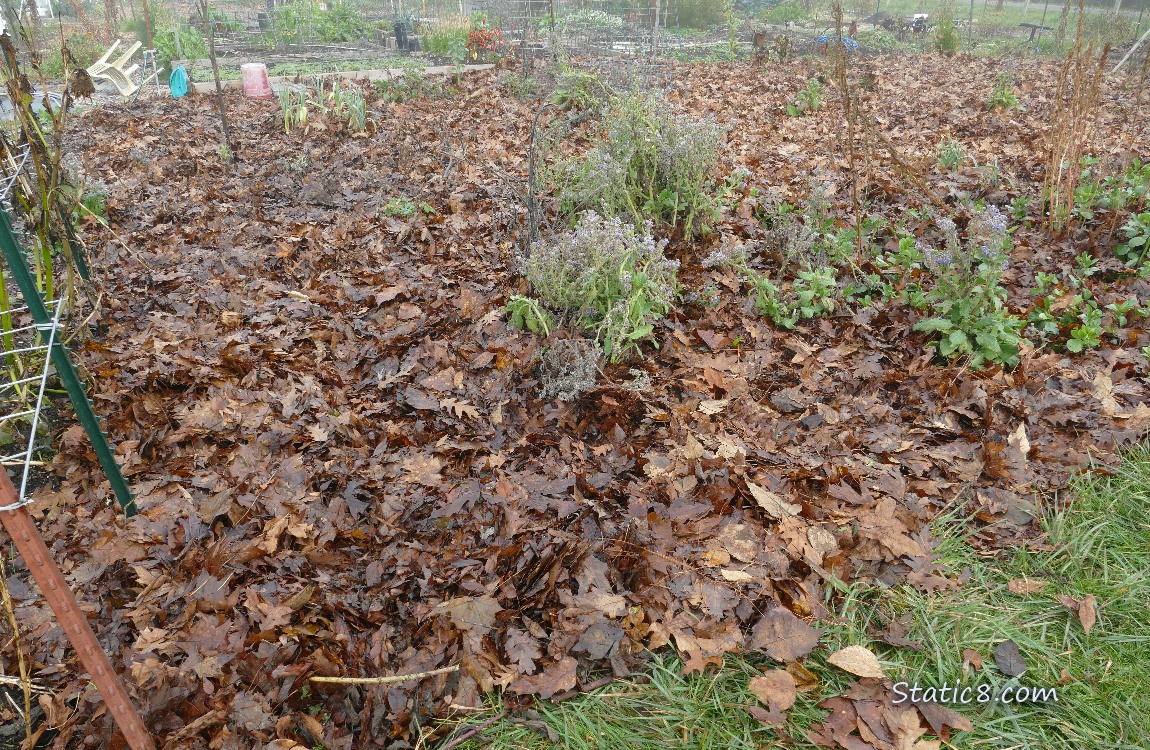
(1131, 51)
(209, 29)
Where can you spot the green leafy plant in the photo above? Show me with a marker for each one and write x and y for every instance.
(413, 84)
(529, 314)
(399, 206)
(733, 23)
(587, 18)
(307, 22)
(1088, 334)
(1020, 208)
(1137, 231)
(355, 106)
(1002, 96)
(293, 108)
(652, 164)
(700, 14)
(1086, 264)
(811, 294)
(520, 86)
(788, 11)
(580, 90)
(946, 37)
(606, 278)
(85, 49)
(966, 302)
(951, 155)
(1123, 311)
(448, 38)
(192, 45)
(93, 199)
(808, 100)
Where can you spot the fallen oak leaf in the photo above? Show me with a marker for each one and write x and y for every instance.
(713, 406)
(806, 681)
(1087, 613)
(776, 689)
(311, 729)
(555, 678)
(471, 612)
(736, 576)
(460, 408)
(783, 635)
(941, 717)
(858, 660)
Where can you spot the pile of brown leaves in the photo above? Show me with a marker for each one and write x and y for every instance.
(344, 467)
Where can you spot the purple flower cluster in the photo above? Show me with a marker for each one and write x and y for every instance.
(981, 259)
(576, 272)
(934, 259)
(648, 150)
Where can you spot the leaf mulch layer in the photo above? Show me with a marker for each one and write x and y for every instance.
(344, 467)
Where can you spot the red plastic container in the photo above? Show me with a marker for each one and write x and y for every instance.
(256, 84)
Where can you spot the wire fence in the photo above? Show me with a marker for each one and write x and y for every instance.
(633, 29)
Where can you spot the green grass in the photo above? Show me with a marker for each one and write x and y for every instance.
(996, 32)
(1099, 545)
(292, 69)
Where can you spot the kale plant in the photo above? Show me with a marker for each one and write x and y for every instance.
(808, 100)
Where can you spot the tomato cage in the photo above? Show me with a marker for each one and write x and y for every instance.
(25, 349)
(31, 352)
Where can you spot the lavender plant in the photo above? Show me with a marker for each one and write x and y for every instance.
(653, 164)
(965, 297)
(606, 278)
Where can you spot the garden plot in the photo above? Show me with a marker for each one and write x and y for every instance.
(350, 453)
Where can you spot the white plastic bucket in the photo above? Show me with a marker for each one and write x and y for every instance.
(256, 84)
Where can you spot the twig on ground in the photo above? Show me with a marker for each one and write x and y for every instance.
(384, 680)
(210, 719)
(573, 692)
(474, 731)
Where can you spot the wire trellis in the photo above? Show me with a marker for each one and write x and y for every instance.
(10, 172)
(25, 347)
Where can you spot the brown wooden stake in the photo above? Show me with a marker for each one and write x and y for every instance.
(210, 29)
(20, 526)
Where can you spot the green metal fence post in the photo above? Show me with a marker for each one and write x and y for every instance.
(18, 264)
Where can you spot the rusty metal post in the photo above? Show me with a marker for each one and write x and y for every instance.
(20, 526)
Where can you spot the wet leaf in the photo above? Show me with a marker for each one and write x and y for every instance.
(1009, 660)
(971, 658)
